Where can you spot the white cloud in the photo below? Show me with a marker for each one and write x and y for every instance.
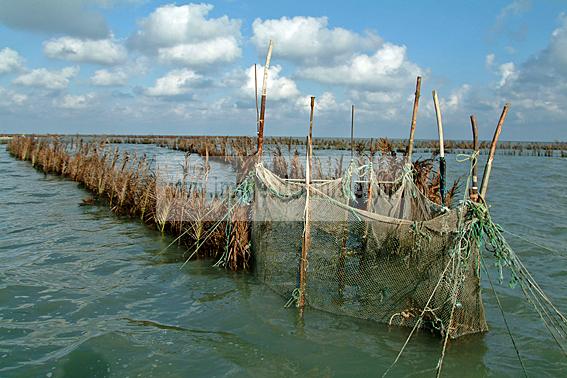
(323, 103)
(455, 99)
(10, 60)
(74, 101)
(309, 38)
(489, 60)
(514, 8)
(222, 49)
(279, 87)
(388, 68)
(507, 73)
(101, 51)
(109, 78)
(183, 34)
(9, 98)
(47, 79)
(174, 83)
(72, 17)
(118, 76)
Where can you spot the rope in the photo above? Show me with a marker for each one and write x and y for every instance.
(504, 317)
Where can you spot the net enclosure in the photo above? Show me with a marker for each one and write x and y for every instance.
(390, 256)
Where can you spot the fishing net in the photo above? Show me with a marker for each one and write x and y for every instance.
(391, 256)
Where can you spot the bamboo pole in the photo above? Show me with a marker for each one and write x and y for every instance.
(488, 167)
(306, 240)
(442, 163)
(413, 118)
(474, 184)
(263, 102)
(352, 132)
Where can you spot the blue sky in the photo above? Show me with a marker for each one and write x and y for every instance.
(157, 67)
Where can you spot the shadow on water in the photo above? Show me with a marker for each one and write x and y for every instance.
(84, 362)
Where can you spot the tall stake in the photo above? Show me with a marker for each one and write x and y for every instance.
(488, 167)
(263, 103)
(352, 133)
(413, 118)
(256, 95)
(442, 163)
(306, 241)
(474, 186)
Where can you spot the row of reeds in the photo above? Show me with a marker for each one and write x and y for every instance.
(127, 183)
(228, 148)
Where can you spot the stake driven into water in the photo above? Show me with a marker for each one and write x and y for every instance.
(442, 163)
(474, 184)
(263, 102)
(352, 132)
(413, 118)
(256, 97)
(488, 167)
(306, 240)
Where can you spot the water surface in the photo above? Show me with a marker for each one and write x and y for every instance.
(86, 293)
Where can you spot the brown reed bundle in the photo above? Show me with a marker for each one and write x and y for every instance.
(129, 186)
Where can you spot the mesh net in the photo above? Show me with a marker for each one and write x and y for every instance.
(396, 261)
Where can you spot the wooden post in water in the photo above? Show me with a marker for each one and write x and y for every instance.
(474, 184)
(488, 167)
(413, 118)
(256, 96)
(442, 163)
(263, 103)
(352, 132)
(306, 240)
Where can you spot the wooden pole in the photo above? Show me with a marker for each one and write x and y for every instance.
(352, 132)
(442, 163)
(488, 167)
(256, 96)
(263, 102)
(306, 241)
(413, 118)
(474, 185)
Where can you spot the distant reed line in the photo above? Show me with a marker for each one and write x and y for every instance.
(246, 145)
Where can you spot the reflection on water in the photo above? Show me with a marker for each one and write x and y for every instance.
(86, 293)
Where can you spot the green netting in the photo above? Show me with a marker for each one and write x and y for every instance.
(402, 259)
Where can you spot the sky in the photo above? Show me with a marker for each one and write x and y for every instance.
(161, 67)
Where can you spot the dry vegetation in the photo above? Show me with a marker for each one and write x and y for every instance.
(127, 184)
(209, 226)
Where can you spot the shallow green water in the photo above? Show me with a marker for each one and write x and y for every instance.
(86, 293)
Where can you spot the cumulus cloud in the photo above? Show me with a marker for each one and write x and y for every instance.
(309, 38)
(74, 102)
(507, 73)
(388, 68)
(106, 78)
(118, 76)
(323, 103)
(43, 78)
(10, 61)
(537, 88)
(9, 98)
(174, 83)
(184, 35)
(455, 99)
(100, 51)
(222, 49)
(279, 87)
(72, 17)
